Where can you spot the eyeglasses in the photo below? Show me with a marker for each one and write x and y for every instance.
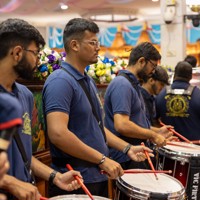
(35, 52)
(154, 65)
(93, 43)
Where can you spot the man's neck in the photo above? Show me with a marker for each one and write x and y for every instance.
(76, 64)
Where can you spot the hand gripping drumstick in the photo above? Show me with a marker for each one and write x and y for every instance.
(81, 183)
(176, 133)
(149, 160)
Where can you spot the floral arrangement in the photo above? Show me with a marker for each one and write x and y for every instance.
(50, 60)
(102, 72)
(106, 69)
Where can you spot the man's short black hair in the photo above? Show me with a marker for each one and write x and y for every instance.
(75, 29)
(183, 71)
(18, 32)
(146, 50)
(192, 60)
(161, 75)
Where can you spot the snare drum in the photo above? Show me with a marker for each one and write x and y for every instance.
(146, 187)
(76, 197)
(177, 159)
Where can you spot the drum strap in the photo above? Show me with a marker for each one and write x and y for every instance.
(157, 196)
(193, 184)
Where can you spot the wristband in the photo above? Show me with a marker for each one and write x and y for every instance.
(127, 148)
(102, 160)
(52, 176)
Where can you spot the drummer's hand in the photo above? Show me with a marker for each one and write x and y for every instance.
(112, 168)
(2, 197)
(4, 164)
(165, 131)
(158, 139)
(173, 139)
(21, 190)
(136, 153)
(67, 181)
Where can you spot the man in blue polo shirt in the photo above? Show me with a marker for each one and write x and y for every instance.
(20, 45)
(125, 113)
(178, 104)
(74, 115)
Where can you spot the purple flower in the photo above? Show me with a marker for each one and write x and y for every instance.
(56, 66)
(63, 54)
(51, 58)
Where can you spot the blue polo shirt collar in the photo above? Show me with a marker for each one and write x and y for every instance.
(14, 92)
(131, 75)
(76, 74)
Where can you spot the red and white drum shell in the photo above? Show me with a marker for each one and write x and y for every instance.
(146, 187)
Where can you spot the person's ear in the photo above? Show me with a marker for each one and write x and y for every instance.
(17, 53)
(142, 61)
(74, 45)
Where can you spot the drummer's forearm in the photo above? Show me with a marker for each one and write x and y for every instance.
(40, 170)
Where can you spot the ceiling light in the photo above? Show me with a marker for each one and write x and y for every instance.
(155, 0)
(111, 15)
(63, 6)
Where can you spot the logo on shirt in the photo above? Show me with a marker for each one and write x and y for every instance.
(177, 105)
(26, 124)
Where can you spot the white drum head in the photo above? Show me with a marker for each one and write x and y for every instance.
(182, 152)
(192, 149)
(145, 183)
(76, 197)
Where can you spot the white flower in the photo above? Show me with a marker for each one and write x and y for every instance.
(102, 79)
(91, 73)
(56, 54)
(47, 51)
(113, 76)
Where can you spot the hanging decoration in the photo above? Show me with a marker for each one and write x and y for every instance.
(193, 34)
(11, 6)
(55, 37)
(154, 34)
(131, 37)
(107, 35)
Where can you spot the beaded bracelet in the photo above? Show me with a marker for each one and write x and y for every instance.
(127, 148)
(102, 160)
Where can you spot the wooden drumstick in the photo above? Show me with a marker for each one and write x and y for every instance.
(195, 141)
(176, 133)
(43, 198)
(182, 145)
(81, 183)
(149, 160)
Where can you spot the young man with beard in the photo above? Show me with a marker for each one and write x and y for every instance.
(77, 135)
(20, 45)
(124, 106)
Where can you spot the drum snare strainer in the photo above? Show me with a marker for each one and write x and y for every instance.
(145, 187)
